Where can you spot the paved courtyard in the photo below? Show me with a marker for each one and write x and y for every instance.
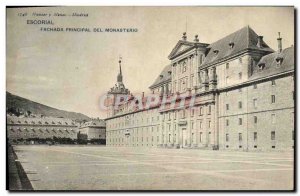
(108, 168)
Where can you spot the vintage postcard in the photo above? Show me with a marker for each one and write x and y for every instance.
(150, 98)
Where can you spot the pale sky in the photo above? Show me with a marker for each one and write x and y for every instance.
(70, 71)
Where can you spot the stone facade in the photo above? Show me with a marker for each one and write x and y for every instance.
(242, 93)
(94, 129)
(46, 127)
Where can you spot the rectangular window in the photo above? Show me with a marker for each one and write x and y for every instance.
(227, 137)
(200, 137)
(255, 136)
(209, 109)
(293, 135)
(227, 122)
(209, 124)
(192, 112)
(227, 65)
(255, 103)
(240, 75)
(273, 83)
(227, 106)
(193, 139)
(240, 121)
(201, 111)
(272, 98)
(200, 125)
(240, 137)
(255, 119)
(254, 86)
(184, 68)
(273, 135)
(240, 104)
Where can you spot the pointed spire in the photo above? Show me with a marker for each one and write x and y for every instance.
(120, 77)
(120, 61)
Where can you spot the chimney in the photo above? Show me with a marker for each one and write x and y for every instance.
(259, 41)
(184, 36)
(279, 41)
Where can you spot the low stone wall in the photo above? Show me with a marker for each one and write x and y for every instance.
(17, 178)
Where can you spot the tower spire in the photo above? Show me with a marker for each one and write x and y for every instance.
(120, 61)
(120, 77)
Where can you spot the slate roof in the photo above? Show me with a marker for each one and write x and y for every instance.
(49, 121)
(242, 39)
(165, 76)
(94, 123)
(271, 67)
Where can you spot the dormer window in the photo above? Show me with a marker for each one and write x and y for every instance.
(279, 60)
(231, 44)
(216, 52)
(161, 76)
(169, 72)
(261, 66)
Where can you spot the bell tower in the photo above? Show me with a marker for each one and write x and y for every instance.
(117, 90)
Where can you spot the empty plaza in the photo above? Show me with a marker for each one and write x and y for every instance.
(108, 168)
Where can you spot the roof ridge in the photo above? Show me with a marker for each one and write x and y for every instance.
(248, 36)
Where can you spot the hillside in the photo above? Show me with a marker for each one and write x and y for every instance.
(20, 104)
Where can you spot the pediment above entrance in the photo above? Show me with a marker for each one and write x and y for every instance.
(180, 48)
